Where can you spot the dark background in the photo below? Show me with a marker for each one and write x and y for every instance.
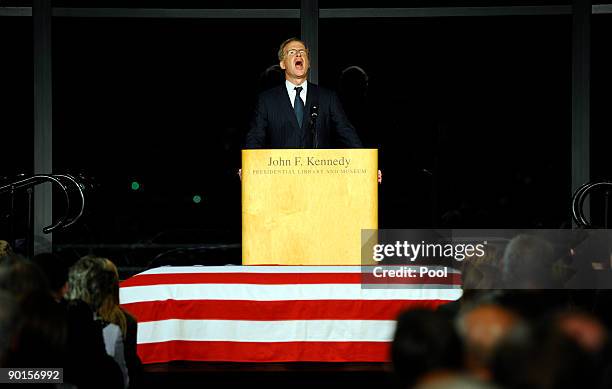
(472, 115)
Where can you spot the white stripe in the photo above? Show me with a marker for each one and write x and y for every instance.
(253, 269)
(267, 331)
(266, 269)
(253, 292)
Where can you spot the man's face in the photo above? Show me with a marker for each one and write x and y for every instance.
(295, 61)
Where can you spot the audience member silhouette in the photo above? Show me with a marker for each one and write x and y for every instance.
(542, 357)
(9, 326)
(93, 281)
(48, 332)
(528, 263)
(353, 92)
(271, 77)
(425, 346)
(482, 328)
(55, 268)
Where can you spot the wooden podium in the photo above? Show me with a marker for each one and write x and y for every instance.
(307, 206)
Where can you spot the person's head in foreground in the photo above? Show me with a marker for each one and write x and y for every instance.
(425, 347)
(543, 357)
(482, 328)
(528, 262)
(55, 268)
(95, 280)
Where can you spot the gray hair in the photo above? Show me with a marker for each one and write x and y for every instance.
(281, 49)
(528, 262)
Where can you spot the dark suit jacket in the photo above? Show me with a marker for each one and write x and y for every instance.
(274, 124)
(132, 360)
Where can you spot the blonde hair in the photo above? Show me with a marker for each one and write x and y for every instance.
(95, 280)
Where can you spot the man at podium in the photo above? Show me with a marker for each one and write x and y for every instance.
(299, 114)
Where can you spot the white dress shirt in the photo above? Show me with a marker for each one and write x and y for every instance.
(290, 89)
(113, 343)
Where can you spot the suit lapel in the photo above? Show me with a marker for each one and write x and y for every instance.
(312, 98)
(309, 94)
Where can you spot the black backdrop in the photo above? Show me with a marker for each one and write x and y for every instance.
(472, 116)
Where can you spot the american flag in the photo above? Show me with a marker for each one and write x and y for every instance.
(268, 313)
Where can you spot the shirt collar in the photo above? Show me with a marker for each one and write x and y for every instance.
(290, 86)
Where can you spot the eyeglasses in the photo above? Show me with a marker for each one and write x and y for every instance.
(293, 52)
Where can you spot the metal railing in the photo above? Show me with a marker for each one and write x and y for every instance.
(579, 198)
(68, 184)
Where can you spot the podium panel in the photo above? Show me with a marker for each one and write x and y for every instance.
(307, 206)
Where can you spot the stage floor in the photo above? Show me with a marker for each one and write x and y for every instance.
(270, 375)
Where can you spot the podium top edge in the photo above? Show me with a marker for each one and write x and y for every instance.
(352, 148)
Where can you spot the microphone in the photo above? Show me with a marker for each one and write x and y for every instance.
(314, 114)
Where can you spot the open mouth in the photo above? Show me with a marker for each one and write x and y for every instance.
(299, 64)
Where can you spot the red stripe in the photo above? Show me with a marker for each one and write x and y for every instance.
(275, 310)
(281, 279)
(243, 278)
(264, 352)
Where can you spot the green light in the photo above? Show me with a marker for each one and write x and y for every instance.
(135, 185)
(197, 199)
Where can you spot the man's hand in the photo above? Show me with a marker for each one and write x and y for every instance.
(379, 177)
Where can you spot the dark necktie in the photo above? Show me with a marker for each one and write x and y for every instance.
(298, 105)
